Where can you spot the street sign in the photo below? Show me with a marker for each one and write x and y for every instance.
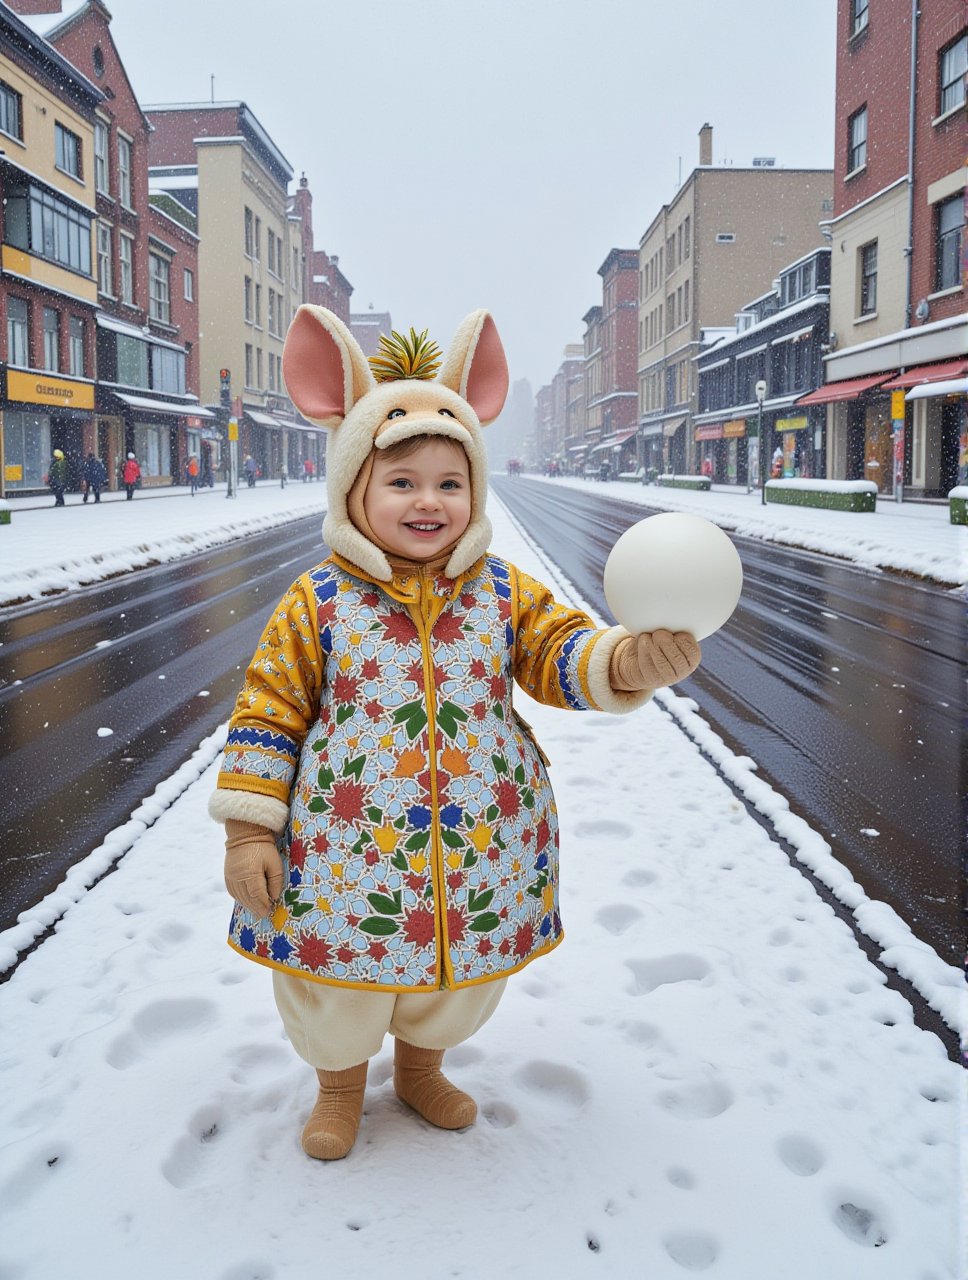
(233, 428)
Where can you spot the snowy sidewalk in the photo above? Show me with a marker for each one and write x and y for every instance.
(708, 1076)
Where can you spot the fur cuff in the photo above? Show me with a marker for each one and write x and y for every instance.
(606, 698)
(248, 806)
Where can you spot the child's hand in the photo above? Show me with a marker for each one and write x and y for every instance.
(652, 660)
(253, 868)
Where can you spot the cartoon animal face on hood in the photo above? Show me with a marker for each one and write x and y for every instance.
(331, 383)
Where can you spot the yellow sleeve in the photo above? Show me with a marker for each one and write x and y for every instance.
(560, 656)
(276, 706)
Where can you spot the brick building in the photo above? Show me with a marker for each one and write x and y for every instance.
(897, 301)
(616, 400)
(147, 268)
(48, 288)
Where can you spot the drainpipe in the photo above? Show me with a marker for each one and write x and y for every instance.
(909, 250)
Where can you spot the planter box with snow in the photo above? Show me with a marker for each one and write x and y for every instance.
(834, 495)
(685, 482)
(958, 504)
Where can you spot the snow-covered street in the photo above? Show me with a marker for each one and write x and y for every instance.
(708, 1076)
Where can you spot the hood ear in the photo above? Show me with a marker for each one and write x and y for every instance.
(324, 369)
(476, 367)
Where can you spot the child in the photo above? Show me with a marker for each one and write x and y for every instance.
(391, 835)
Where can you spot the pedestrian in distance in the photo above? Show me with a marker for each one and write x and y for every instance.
(391, 834)
(192, 469)
(309, 469)
(249, 467)
(283, 476)
(95, 477)
(57, 477)
(130, 475)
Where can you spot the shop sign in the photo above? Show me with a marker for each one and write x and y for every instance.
(13, 473)
(712, 431)
(897, 406)
(734, 430)
(233, 428)
(193, 422)
(792, 424)
(41, 388)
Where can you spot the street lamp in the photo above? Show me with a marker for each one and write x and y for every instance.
(760, 397)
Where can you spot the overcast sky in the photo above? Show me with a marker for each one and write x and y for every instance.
(469, 153)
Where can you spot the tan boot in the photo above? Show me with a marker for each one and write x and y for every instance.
(419, 1083)
(331, 1129)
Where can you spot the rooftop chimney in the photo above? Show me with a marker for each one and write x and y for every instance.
(706, 144)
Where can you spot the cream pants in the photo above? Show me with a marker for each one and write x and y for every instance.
(333, 1028)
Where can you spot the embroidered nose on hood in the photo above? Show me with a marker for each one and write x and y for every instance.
(333, 385)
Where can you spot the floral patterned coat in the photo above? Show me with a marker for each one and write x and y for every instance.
(421, 847)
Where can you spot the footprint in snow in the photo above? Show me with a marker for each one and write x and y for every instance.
(182, 1165)
(618, 917)
(860, 1225)
(692, 1250)
(663, 970)
(703, 1100)
(604, 829)
(499, 1115)
(156, 1023)
(801, 1155)
(34, 1175)
(558, 1086)
(639, 878)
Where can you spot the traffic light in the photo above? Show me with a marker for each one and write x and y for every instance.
(225, 387)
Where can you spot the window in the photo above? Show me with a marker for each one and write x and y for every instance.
(10, 111)
(951, 223)
(248, 232)
(858, 16)
(951, 76)
(51, 324)
(295, 268)
(75, 346)
(272, 312)
(258, 366)
(105, 280)
(670, 312)
(857, 140)
(271, 250)
(132, 361)
(272, 372)
(248, 301)
(685, 301)
(248, 364)
(126, 255)
(124, 171)
(189, 280)
(102, 174)
(18, 329)
(67, 151)
(687, 233)
(257, 239)
(159, 295)
(726, 237)
(868, 279)
(167, 370)
(36, 220)
(258, 308)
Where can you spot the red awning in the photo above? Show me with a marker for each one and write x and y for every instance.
(921, 373)
(849, 389)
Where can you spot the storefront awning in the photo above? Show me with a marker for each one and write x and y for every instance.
(849, 389)
(946, 371)
(952, 387)
(144, 404)
(670, 428)
(616, 440)
(263, 419)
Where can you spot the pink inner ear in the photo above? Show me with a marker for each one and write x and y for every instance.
(312, 365)
(487, 382)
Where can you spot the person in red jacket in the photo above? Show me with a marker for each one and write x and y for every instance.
(130, 475)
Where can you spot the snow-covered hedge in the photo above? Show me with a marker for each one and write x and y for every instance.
(685, 482)
(835, 495)
(958, 504)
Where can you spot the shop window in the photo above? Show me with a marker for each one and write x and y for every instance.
(51, 325)
(168, 370)
(11, 111)
(950, 229)
(952, 69)
(159, 295)
(124, 171)
(132, 361)
(102, 168)
(857, 140)
(153, 448)
(75, 341)
(26, 448)
(18, 332)
(868, 279)
(67, 151)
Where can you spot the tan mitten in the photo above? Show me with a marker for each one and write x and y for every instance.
(652, 660)
(253, 868)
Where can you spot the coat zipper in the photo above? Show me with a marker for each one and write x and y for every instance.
(437, 851)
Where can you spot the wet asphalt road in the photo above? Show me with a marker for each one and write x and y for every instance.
(155, 656)
(846, 687)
